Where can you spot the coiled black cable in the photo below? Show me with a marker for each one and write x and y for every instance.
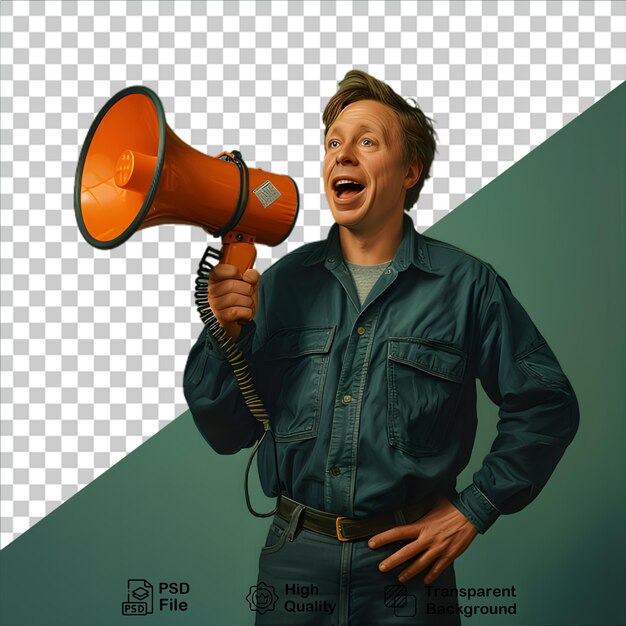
(233, 355)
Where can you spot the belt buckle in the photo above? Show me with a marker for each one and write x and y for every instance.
(338, 528)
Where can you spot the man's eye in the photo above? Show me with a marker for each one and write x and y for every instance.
(367, 142)
(333, 143)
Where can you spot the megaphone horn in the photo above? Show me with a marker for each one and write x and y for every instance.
(134, 172)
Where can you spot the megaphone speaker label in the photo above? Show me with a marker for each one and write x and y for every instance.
(266, 193)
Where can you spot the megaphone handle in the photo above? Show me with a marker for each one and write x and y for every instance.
(238, 250)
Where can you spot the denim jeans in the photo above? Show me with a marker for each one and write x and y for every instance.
(309, 579)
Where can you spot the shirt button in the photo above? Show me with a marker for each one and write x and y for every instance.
(335, 471)
(360, 330)
(347, 399)
(388, 271)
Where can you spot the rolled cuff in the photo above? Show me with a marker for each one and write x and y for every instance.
(473, 503)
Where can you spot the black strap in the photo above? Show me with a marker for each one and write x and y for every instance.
(242, 199)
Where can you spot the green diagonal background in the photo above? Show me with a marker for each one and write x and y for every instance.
(554, 225)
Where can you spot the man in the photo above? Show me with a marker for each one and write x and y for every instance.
(365, 349)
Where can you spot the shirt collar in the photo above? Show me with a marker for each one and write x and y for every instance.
(413, 249)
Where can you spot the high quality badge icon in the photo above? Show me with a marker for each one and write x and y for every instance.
(262, 598)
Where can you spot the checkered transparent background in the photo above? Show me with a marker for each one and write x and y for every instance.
(94, 343)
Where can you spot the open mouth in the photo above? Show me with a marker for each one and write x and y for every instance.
(346, 188)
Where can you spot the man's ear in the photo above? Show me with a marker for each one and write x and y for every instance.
(413, 173)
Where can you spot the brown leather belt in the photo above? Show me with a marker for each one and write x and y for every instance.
(347, 528)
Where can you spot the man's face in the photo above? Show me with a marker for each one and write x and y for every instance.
(364, 150)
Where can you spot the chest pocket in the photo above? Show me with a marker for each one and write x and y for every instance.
(295, 361)
(424, 387)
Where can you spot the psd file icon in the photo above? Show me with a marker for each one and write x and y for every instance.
(140, 596)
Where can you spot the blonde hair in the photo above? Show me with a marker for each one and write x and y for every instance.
(418, 134)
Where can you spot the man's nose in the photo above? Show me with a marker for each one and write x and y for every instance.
(346, 154)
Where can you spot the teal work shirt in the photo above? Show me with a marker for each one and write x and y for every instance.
(373, 406)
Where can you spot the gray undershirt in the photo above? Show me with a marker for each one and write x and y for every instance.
(365, 277)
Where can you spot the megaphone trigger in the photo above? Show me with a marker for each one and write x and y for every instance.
(238, 250)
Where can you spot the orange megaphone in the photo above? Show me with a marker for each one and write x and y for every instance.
(134, 172)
